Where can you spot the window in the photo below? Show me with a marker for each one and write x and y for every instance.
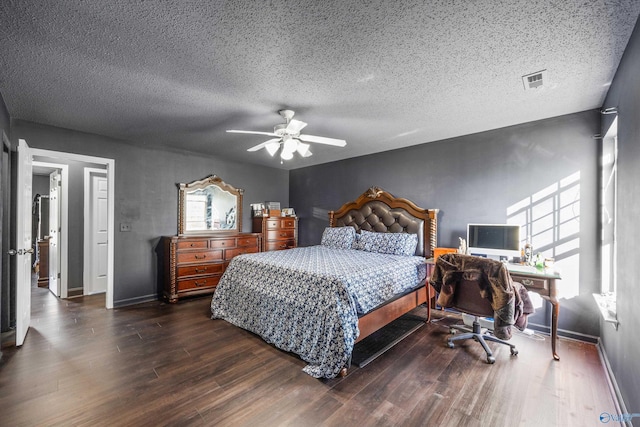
(608, 205)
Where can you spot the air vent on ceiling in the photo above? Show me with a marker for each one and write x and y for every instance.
(534, 80)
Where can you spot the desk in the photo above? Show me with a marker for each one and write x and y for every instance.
(540, 281)
(543, 283)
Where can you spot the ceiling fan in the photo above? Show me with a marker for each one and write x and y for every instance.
(288, 138)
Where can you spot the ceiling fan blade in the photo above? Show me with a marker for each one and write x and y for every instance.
(323, 140)
(252, 132)
(295, 126)
(264, 144)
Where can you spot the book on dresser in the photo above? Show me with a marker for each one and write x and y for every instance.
(193, 265)
(278, 232)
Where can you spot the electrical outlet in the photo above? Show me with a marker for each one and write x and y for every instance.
(125, 226)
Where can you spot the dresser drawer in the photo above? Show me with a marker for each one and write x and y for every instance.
(195, 270)
(223, 243)
(272, 223)
(193, 244)
(247, 241)
(199, 256)
(531, 283)
(240, 251)
(199, 283)
(281, 234)
(288, 223)
(277, 245)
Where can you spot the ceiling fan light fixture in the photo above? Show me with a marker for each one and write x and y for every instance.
(280, 129)
(289, 144)
(272, 148)
(288, 139)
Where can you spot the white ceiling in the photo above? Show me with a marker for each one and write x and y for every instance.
(380, 74)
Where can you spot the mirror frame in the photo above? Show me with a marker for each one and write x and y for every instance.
(212, 180)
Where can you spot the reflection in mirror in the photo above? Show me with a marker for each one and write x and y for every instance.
(208, 206)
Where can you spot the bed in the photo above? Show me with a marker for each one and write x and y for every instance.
(318, 301)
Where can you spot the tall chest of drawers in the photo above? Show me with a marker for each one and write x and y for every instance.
(193, 265)
(277, 232)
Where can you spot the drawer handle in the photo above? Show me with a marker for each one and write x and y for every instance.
(283, 234)
(200, 283)
(200, 256)
(201, 270)
(283, 246)
(527, 282)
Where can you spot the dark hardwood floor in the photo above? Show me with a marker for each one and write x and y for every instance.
(159, 364)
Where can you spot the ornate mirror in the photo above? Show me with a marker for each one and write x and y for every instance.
(209, 206)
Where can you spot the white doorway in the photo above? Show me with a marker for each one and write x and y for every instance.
(96, 240)
(23, 228)
(109, 170)
(56, 235)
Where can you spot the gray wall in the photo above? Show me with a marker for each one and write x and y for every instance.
(146, 196)
(622, 345)
(482, 178)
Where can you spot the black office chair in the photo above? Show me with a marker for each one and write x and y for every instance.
(467, 278)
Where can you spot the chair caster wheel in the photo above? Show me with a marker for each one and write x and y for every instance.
(449, 344)
(452, 331)
(491, 360)
(514, 351)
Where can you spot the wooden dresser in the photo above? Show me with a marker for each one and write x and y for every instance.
(193, 265)
(43, 263)
(277, 232)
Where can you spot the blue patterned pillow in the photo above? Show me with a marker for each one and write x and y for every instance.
(338, 237)
(388, 243)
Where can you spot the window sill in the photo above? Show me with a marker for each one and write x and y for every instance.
(607, 305)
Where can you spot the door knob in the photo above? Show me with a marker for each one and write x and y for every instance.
(20, 251)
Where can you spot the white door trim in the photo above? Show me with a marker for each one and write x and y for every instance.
(110, 169)
(64, 222)
(87, 246)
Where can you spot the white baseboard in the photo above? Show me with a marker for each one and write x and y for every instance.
(621, 408)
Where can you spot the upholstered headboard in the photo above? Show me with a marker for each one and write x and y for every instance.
(378, 211)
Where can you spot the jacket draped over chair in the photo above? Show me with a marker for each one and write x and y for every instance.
(509, 300)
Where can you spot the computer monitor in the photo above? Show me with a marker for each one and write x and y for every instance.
(498, 241)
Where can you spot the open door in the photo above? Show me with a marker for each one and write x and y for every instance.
(23, 243)
(54, 231)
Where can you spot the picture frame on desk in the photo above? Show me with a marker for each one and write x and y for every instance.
(288, 212)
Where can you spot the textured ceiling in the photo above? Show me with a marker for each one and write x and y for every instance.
(380, 74)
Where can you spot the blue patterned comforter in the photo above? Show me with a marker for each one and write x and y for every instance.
(307, 300)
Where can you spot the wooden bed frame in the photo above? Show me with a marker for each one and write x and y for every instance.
(378, 211)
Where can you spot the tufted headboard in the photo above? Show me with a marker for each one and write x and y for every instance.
(378, 211)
